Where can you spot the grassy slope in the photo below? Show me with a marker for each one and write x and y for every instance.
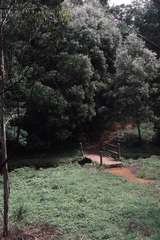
(86, 203)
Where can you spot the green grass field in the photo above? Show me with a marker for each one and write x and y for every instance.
(85, 203)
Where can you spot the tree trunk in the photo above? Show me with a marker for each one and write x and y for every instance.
(139, 132)
(3, 133)
(5, 181)
(18, 127)
(18, 134)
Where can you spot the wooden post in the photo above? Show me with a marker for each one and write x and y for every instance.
(82, 151)
(139, 132)
(101, 158)
(119, 151)
(3, 129)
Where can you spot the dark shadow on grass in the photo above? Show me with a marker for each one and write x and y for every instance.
(42, 160)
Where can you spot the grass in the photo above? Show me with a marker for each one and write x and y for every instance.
(85, 203)
(148, 168)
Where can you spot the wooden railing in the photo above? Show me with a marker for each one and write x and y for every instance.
(108, 150)
(111, 150)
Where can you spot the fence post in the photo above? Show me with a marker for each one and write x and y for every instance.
(101, 158)
(82, 151)
(119, 151)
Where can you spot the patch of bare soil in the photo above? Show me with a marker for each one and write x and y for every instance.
(35, 232)
(128, 174)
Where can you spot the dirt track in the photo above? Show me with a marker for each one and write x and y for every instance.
(116, 170)
(128, 175)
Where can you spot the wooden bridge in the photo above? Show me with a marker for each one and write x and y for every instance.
(109, 155)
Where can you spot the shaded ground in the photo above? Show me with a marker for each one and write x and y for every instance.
(35, 232)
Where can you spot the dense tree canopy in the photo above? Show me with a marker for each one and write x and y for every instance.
(62, 59)
(74, 64)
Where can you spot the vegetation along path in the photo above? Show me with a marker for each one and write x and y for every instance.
(115, 167)
(129, 175)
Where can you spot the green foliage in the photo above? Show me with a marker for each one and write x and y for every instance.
(148, 26)
(97, 35)
(148, 23)
(136, 68)
(62, 58)
(130, 16)
(143, 16)
(76, 69)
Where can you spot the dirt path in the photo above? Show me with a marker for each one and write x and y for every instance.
(127, 174)
(115, 167)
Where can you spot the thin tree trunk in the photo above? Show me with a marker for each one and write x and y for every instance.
(18, 134)
(139, 132)
(18, 127)
(3, 134)
(5, 182)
